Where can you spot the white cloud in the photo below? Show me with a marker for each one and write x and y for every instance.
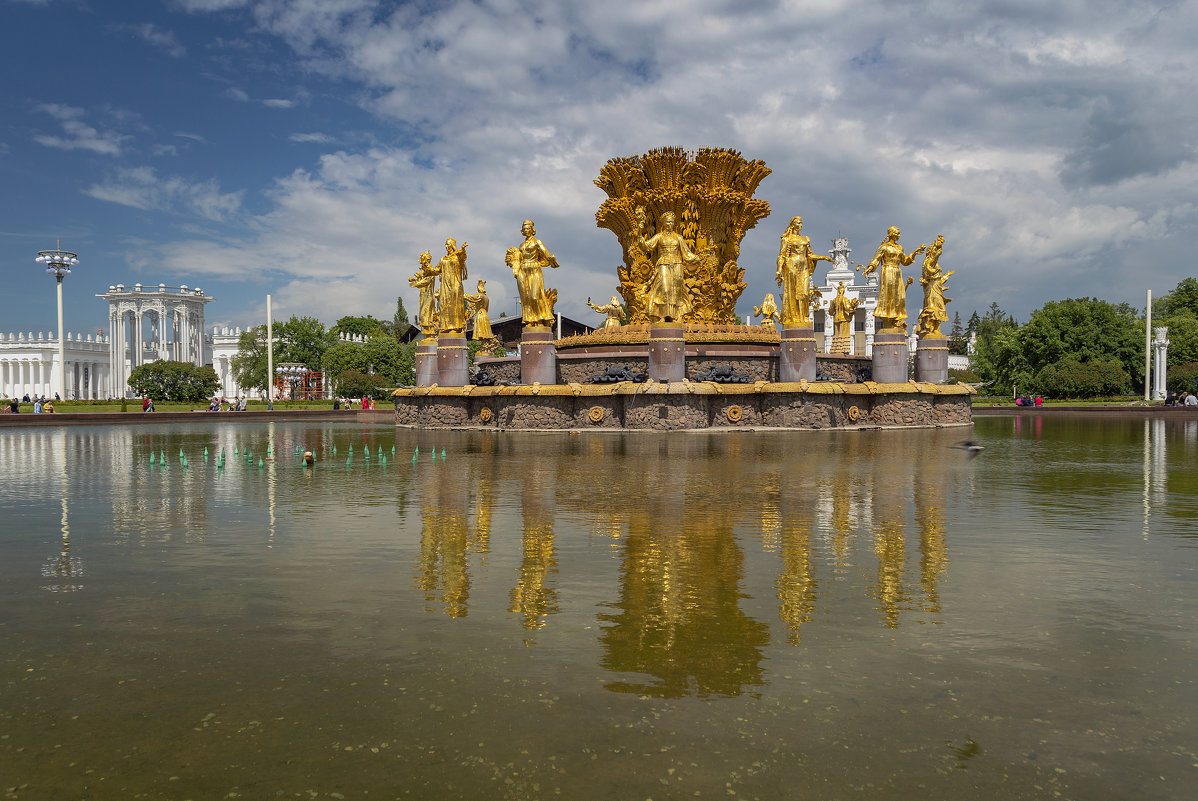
(141, 188)
(314, 138)
(1038, 138)
(164, 40)
(78, 134)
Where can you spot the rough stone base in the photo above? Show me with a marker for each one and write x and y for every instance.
(685, 406)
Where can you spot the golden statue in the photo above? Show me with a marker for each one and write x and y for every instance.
(841, 309)
(613, 310)
(710, 194)
(796, 266)
(528, 261)
(451, 295)
(479, 306)
(425, 280)
(934, 283)
(767, 311)
(667, 300)
(888, 262)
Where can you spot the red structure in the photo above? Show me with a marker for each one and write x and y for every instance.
(299, 384)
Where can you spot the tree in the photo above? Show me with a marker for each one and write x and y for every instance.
(392, 362)
(249, 365)
(993, 355)
(174, 381)
(1184, 296)
(302, 340)
(343, 356)
(1178, 311)
(399, 322)
(356, 326)
(1069, 378)
(956, 338)
(356, 384)
(1085, 329)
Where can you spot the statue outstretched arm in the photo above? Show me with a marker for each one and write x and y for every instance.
(910, 257)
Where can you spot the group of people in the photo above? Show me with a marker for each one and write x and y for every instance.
(1024, 400)
(220, 404)
(346, 403)
(1184, 399)
(40, 404)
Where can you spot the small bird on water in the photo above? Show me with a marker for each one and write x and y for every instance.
(970, 447)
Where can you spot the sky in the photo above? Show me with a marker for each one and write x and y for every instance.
(312, 149)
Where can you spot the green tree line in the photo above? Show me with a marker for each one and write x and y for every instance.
(1083, 347)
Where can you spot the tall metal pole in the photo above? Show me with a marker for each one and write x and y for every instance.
(1148, 349)
(62, 358)
(270, 357)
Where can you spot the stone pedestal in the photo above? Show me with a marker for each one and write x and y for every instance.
(667, 353)
(451, 361)
(796, 360)
(931, 360)
(890, 357)
(538, 356)
(426, 364)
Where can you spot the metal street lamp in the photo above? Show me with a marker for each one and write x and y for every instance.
(292, 373)
(58, 264)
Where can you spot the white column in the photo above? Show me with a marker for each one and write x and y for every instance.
(1160, 348)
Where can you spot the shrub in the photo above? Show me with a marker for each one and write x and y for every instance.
(1069, 378)
(1183, 377)
(965, 376)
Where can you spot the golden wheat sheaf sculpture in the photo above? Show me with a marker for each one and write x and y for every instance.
(710, 192)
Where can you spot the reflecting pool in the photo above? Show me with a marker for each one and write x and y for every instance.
(732, 615)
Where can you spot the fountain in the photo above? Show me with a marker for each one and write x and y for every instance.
(680, 218)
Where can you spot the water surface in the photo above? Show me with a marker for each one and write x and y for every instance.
(823, 615)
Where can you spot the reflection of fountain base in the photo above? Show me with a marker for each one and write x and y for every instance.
(685, 406)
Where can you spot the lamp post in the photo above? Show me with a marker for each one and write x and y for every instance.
(58, 264)
(292, 373)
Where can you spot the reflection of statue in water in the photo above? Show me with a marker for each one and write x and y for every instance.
(841, 309)
(451, 295)
(425, 280)
(796, 265)
(934, 283)
(668, 300)
(888, 262)
(528, 265)
(479, 308)
(613, 310)
(767, 311)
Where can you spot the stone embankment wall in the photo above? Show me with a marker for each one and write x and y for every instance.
(671, 407)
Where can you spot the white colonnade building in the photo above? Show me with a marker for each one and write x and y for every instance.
(29, 365)
(861, 343)
(148, 323)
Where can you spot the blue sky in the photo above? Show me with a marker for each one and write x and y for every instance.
(311, 149)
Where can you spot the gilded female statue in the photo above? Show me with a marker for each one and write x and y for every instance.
(796, 265)
(888, 262)
(934, 283)
(425, 280)
(841, 309)
(613, 310)
(767, 311)
(480, 309)
(668, 299)
(451, 295)
(528, 269)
